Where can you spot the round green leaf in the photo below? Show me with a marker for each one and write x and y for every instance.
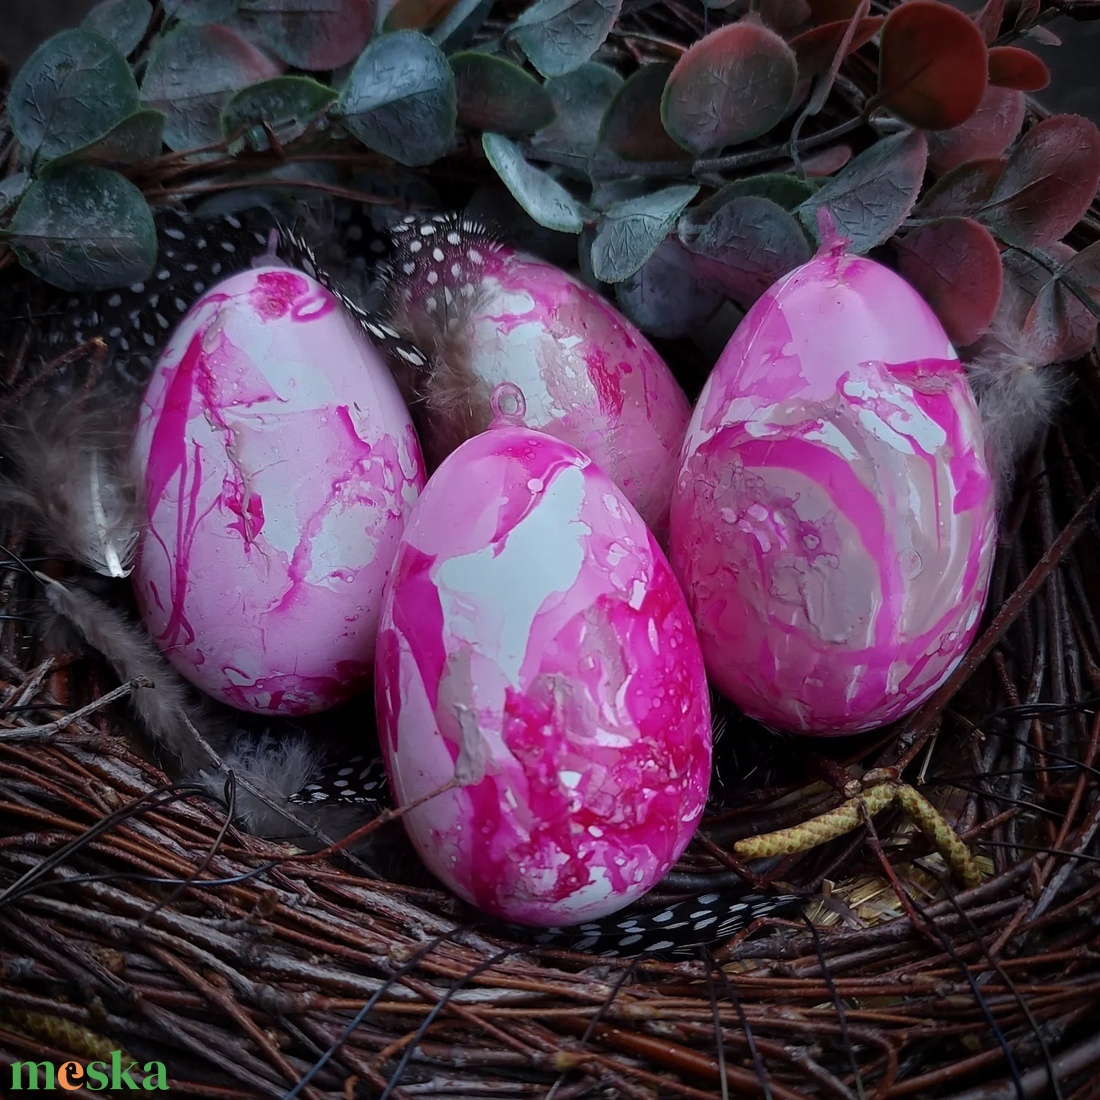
(73, 89)
(121, 22)
(559, 35)
(746, 245)
(632, 126)
(193, 73)
(539, 194)
(200, 11)
(629, 232)
(85, 228)
(135, 140)
(400, 99)
(874, 193)
(495, 94)
(11, 189)
(580, 99)
(786, 191)
(731, 86)
(314, 34)
(288, 104)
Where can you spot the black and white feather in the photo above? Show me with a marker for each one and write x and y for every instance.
(677, 930)
(347, 780)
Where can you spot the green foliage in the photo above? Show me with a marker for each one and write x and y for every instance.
(690, 173)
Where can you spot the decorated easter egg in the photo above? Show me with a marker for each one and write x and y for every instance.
(833, 522)
(280, 466)
(491, 314)
(537, 665)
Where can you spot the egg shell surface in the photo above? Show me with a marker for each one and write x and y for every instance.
(280, 466)
(588, 375)
(833, 522)
(535, 643)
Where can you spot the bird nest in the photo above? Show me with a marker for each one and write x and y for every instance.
(946, 943)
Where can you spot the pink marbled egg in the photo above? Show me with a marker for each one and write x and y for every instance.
(833, 523)
(588, 375)
(280, 466)
(534, 642)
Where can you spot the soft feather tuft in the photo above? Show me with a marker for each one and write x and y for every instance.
(163, 709)
(277, 768)
(433, 287)
(71, 471)
(1018, 397)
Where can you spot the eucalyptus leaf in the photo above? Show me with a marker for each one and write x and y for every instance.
(666, 296)
(313, 34)
(632, 126)
(787, 191)
(729, 87)
(400, 99)
(201, 11)
(496, 94)
(873, 194)
(287, 104)
(192, 75)
(85, 228)
(560, 35)
(462, 22)
(747, 245)
(73, 89)
(121, 22)
(629, 232)
(12, 189)
(135, 140)
(580, 99)
(538, 193)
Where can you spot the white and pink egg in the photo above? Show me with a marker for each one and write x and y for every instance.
(487, 313)
(280, 465)
(535, 644)
(833, 522)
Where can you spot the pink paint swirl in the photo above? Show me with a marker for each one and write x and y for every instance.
(833, 523)
(280, 465)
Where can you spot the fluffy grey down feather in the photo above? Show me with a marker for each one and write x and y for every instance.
(164, 708)
(276, 768)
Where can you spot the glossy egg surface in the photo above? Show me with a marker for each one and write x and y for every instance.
(534, 642)
(588, 375)
(833, 522)
(280, 465)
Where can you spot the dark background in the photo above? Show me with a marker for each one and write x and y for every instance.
(1075, 64)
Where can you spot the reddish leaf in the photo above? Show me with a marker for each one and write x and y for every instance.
(1048, 183)
(989, 19)
(632, 126)
(815, 48)
(956, 266)
(964, 190)
(731, 86)
(785, 16)
(413, 15)
(314, 34)
(986, 133)
(1052, 324)
(1012, 67)
(932, 65)
(827, 161)
(833, 11)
